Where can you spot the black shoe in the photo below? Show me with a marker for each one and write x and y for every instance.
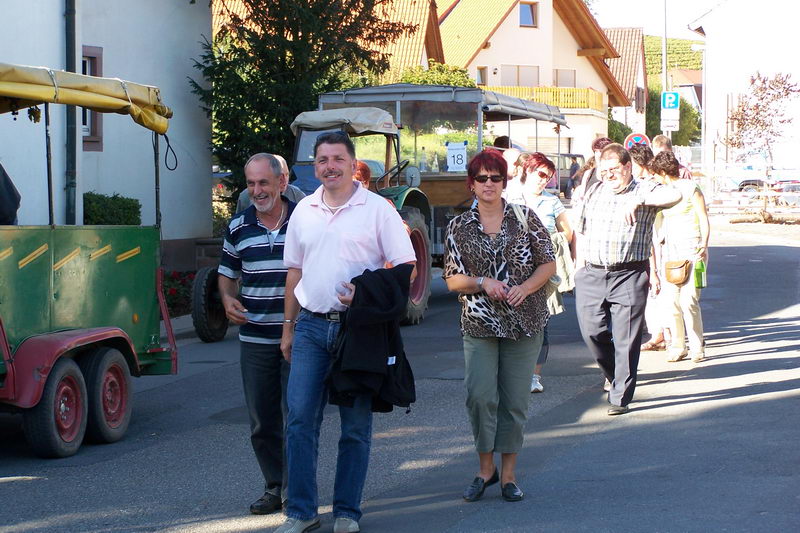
(268, 503)
(618, 410)
(475, 490)
(511, 492)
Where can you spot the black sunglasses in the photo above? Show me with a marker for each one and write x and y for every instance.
(481, 178)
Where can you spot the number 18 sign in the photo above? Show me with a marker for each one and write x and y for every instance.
(456, 156)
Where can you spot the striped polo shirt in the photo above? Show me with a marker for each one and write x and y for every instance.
(254, 254)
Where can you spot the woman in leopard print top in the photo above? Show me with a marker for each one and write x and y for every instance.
(498, 269)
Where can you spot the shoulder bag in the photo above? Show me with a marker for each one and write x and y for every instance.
(552, 284)
(677, 272)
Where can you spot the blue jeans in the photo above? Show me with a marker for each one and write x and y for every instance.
(306, 398)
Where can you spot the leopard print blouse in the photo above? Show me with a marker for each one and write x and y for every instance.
(511, 256)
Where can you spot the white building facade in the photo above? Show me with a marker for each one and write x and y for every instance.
(149, 42)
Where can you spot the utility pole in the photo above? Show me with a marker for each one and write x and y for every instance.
(664, 61)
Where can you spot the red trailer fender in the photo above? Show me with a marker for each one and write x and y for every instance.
(35, 357)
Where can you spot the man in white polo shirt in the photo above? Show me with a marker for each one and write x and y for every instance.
(336, 233)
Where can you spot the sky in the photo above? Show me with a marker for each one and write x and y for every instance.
(649, 14)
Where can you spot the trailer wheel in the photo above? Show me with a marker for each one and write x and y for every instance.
(56, 425)
(420, 289)
(208, 314)
(108, 386)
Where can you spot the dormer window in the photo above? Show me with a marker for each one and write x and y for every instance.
(529, 14)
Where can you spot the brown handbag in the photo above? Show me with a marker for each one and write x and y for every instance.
(677, 272)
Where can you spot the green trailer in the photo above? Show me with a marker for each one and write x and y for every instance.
(80, 306)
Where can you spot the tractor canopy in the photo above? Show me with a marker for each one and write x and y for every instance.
(23, 87)
(354, 120)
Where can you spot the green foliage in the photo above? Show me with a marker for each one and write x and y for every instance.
(689, 121)
(617, 131)
(437, 74)
(178, 292)
(679, 54)
(262, 70)
(689, 124)
(116, 210)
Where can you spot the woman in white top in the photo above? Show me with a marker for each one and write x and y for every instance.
(685, 232)
(537, 170)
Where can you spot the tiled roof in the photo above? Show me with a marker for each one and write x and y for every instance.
(682, 76)
(221, 11)
(629, 42)
(469, 25)
(407, 51)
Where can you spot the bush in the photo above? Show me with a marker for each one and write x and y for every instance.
(178, 292)
(102, 210)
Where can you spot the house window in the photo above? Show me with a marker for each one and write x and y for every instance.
(92, 121)
(482, 76)
(564, 77)
(641, 100)
(529, 14)
(519, 76)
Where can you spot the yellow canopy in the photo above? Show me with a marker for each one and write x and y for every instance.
(22, 87)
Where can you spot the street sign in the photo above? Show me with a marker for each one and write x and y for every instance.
(636, 138)
(670, 106)
(669, 124)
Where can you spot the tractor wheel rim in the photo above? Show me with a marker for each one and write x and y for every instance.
(114, 396)
(417, 292)
(68, 408)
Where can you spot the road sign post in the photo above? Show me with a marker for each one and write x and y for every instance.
(670, 111)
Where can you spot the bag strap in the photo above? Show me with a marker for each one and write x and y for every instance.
(521, 216)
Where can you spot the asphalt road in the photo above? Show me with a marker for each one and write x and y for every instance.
(708, 447)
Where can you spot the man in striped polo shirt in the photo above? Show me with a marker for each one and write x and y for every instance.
(616, 229)
(253, 253)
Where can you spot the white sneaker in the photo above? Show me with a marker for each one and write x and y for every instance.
(345, 525)
(295, 525)
(536, 385)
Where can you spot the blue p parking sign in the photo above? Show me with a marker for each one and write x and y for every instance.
(670, 100)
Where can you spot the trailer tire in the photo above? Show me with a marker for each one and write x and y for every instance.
(55, 427)
(420, 290)
(208, 313)
(108, 387)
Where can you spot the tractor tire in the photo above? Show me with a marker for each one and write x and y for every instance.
(55, 427)
(108, 385)
(208, 314)
(420, 290)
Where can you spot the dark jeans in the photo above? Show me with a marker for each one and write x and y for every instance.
(265, 374)
(610, 308)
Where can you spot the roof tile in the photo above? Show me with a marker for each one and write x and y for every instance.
(629, 42)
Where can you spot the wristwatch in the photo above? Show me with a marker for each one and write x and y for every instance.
(480, 283)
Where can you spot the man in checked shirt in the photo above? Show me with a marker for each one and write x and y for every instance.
(616, 226)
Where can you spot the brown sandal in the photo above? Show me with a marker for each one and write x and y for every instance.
(651, 346)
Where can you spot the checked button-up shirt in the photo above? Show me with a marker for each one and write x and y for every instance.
(607, 239)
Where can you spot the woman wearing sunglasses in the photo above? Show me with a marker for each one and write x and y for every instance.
(498, 268)
(536, 172)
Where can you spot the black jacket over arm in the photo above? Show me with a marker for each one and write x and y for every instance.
(370, 357)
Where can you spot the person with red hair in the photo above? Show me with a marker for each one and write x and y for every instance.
(362, 174)
(537, 170)
(498, 257)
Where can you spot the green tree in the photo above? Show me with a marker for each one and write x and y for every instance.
(265, 67)
(689, 120)
(437, 74)
(617, 131)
